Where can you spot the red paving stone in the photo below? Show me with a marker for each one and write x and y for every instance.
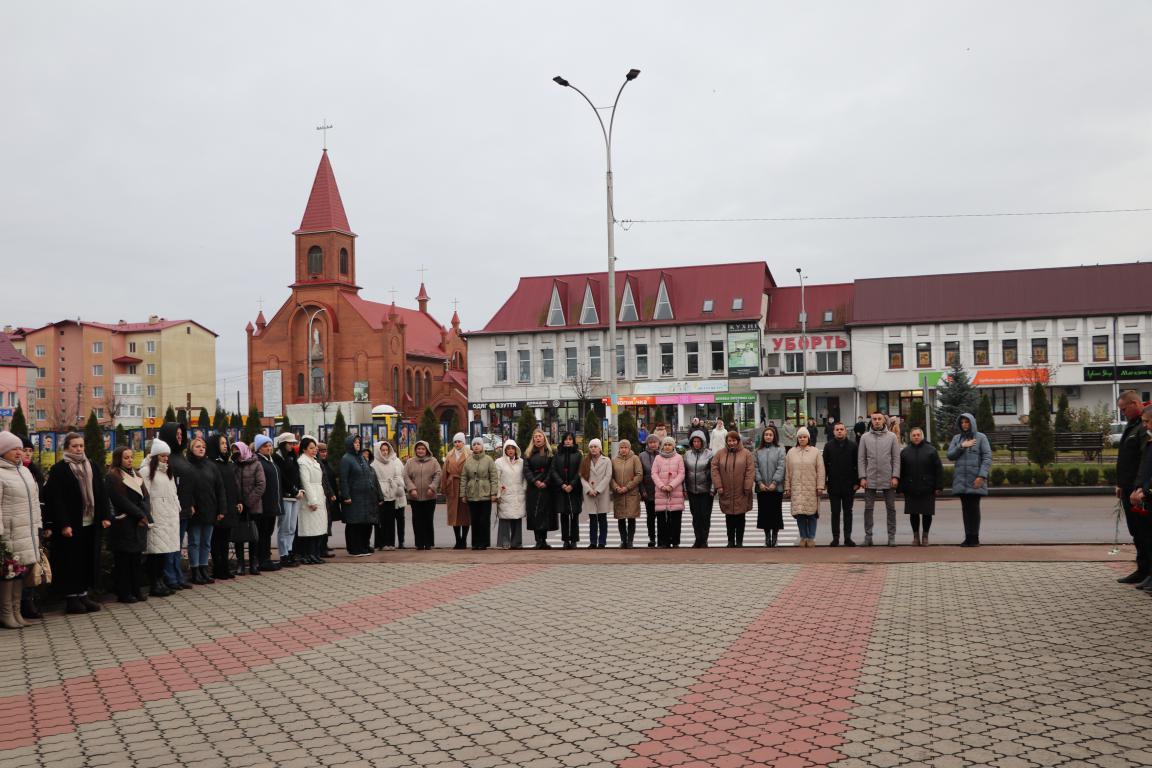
(779, 694)
(61, 708)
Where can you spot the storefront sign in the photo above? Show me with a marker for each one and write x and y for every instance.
(743, 349)
(1010, 376)
(744, 397)
(273, 391)
(680, 387)
(514, 404)
(496, 406)
(626, 400)
(685, 399)
(797, 343)
(1122, 373)
(153, 422)
(360, 391)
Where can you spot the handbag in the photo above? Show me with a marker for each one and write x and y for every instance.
(41, 572)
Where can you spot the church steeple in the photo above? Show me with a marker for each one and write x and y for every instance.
(325, 242)
(423, 298)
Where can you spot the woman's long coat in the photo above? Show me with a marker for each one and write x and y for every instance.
(479, 480)
(209, 497)
(358, 484)
(130, 515)
(566, 471)
(599, 480)
(20, 512)
(457, 507)
(312, 522)
(921, 478)
(734, 471)
(513, 487)
(668, 469)
(804, 479)
(629, 473)
(541, 512)
(164, 503)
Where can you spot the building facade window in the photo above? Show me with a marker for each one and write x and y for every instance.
(951, 353)
(923, 354)
(1039, 351)
(315, 260)
(620, 358)
(150, 346)
(594, 367)
(132, 369)
(501, 369)
(1131, 346)
(571, 363)
(548, 363)
(1070, 349)
(151, 411)
(1010, 352)
(793, 362)
(667, 359)
(1003, 401)
(343, 261)
(523, 366)
(299, 385)
(1099, 349)
(41, 373)
(427, 388)
(39, 350)
(641, 360)
(97, 370)
(395, 384)
(627, 306)
(150, 369)
(692, 352)
(151, 390)
(895, 356)
(97, 392)
(555, 309)
(980, 352)
(97, 347)
(132, 347)
(827, 362)
(717, 357)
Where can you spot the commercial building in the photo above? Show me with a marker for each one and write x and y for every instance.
(125, 373)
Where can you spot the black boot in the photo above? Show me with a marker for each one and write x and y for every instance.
(73, 605)
(28, 609)
(1135, 577)
(159, 589)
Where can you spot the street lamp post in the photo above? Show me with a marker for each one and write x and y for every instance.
(607, 133)
(803, 340)
(308, 344)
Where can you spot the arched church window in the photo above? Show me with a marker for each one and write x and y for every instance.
(315, 260)
(427, 387)
(299, 385)
(395, 386)
(408, 384)
(343, 261)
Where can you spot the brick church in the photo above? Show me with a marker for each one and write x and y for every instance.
(360, 350)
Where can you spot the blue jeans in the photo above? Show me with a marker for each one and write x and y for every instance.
(286, 528)
(598, 529)
(199, 545)
(173, 573)
(807, 526)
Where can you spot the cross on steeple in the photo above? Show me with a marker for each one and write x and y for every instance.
(260, 303)
(324, 128)
(422, 269)
(455, 304)
(392, 291)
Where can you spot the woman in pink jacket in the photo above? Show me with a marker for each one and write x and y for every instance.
(668, 477)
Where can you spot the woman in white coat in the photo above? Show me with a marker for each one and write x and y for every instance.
(163, 547)
(390, 474)
(19, 523)
(718, 436)
(596, 481)
(511, 504)
(312, 524)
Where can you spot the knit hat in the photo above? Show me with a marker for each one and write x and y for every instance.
(478, 440)
(459, 436)
(285, 437)
(9, 442)
(160, 448)
(262, 440)
(595, 442)
(669, 440)
(803, 431)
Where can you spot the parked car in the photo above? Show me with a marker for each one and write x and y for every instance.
(1116, 431)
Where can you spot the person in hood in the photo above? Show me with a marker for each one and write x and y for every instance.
(162, 550)
(803, 484)
(76, 511)
(510, 503)
(131, 521)
(270, 507)
(971, 454)
(252, 483)
(842, 475)
(770, 457)
(20, 523)
(331, 491)
(668, 479)
(221, 456)
(422, 481)
(567, 487)
(698, 485)
(209, 502)
(390, 475)
(596, 481)
(733, 477)
(457, 509)
(175, 436)
(479, 488)
(362, 497)
(540, 511)
(291, 495)
(313, 519)
(878, 471)
(921, 480)
(719, 433)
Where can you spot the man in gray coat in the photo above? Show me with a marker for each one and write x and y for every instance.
(878, 463)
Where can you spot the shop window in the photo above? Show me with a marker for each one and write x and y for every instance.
(1003, 401)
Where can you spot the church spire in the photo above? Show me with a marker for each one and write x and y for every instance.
(325, 210)
(423, 298)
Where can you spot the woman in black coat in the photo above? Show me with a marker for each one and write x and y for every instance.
(567, 488)
(921, 479)
(541, 512)
(362, 497)
(128, 535)
(222, 529)
(209, 500)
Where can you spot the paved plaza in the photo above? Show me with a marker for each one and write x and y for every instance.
(1034, 657)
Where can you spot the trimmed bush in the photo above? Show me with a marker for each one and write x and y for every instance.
(1014, 475)
(998, 476)
(1040, 476)
(1074, 476)
(949, 476)
(1059, 476)
(1109, 475)
(1092, 476)
(1026, 476)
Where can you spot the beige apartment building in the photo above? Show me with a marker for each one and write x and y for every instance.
(126, 373)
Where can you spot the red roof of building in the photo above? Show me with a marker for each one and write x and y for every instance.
(688, 288)
(9, 357)
(127, 360)
(422, 334)
(784, 306)
(159, 325)
(325, 210)
(1103, 289)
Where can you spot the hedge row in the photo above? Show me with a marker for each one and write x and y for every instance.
(1057, 476)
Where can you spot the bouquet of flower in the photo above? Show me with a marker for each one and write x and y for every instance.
(10, 567)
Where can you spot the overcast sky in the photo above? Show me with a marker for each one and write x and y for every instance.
(159, 155)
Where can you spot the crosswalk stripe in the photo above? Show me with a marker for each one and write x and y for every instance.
(717, 532)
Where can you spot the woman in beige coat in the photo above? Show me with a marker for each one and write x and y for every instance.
(803, 484)
(459, 514)
(734, 478)
(19, 523)
(627, 473)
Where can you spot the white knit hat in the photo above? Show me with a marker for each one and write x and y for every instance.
(160, 448)
(9, 442)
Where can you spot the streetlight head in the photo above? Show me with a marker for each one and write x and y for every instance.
(632, 74)
(797, 270)
(560, 81)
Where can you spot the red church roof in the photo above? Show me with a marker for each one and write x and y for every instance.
(713, 293)
(422, 331)
(784, 306)
(325, 211)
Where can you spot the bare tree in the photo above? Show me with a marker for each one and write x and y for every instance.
(112, 403)
(60, 416)
(583, 387)
(323, 396)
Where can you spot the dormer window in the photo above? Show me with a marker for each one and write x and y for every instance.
(827, 315)
(663, 309)
(555, 309)
(737, 304)
(708, 305)
(588, 315)
(628, 305)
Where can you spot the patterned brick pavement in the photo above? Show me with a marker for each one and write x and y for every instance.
(626, 664)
